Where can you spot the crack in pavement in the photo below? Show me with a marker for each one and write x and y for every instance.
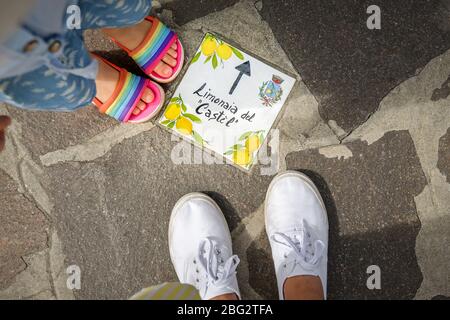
(410, 107)
(243, 236)
(97, 146)
(17, 162)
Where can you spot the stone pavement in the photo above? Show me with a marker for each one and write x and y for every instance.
(369, 122)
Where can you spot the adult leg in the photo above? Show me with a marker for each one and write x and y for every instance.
(297, 226)
(303, 288)
(200, 248)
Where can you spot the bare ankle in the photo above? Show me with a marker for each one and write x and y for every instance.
(227, 296)
(303, 288)
(131, 36)
(106, 80)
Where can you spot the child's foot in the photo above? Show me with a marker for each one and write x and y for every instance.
(106, 82)
(126, 96)
(132, 37)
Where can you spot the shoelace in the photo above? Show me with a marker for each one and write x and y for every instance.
(307, 250)
(210, 261)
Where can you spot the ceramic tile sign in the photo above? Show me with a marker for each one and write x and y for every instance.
(227, 101)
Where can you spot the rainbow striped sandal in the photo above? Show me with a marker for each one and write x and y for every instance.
(153, 49)
(127, 94)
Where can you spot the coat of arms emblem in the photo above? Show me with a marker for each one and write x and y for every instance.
(270, 92)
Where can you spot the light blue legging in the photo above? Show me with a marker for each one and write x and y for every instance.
(43, 89)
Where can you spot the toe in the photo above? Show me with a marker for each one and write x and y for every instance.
(170, 61)
(136, 110)
(172, 53)
(141, 105)
(174, 46)
(147, 96)
(163, 69)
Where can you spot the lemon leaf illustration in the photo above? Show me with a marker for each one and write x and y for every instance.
(197, 138)
(245, 135)
(237, 147)
(166, 122)
(215, 63)
(183, 107)
(208, 59)
(171, 125)
(209, 36)
(196, 57)
(237, 53)
(192, 117)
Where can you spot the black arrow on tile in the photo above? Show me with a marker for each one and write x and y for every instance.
(243, 69)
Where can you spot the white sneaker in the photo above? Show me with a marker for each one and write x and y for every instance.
(200, 246)
(297, 227)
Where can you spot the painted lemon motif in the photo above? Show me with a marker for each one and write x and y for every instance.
(242, 157)
(209, 46)
(252, 143)
(184, 126)
(173, 111)
(224, 52)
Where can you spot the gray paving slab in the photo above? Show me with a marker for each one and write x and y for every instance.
(49, 131)
(113, 213)
(188, 10)
(347, 67)
(23, 230)
(410, 107)
(441, 297)
(372, 215)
